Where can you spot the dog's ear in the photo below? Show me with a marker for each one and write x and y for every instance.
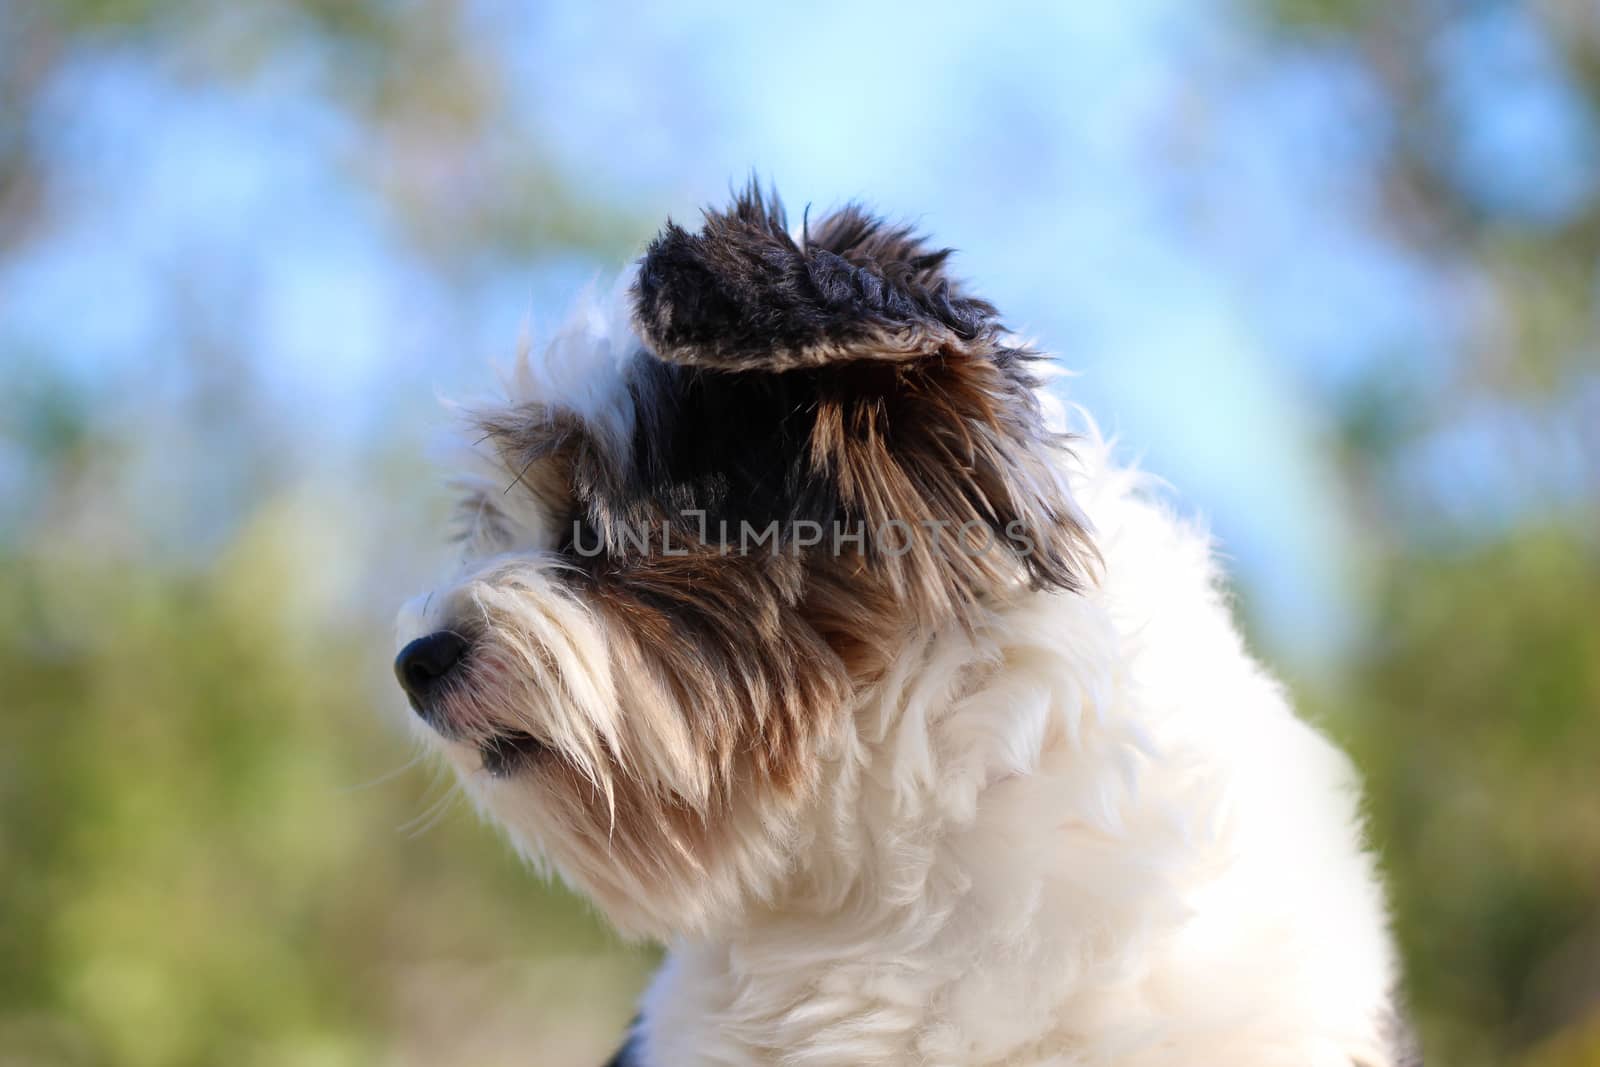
(844, 373)
(743, 294)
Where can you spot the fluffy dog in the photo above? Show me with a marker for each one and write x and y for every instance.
(796, 632)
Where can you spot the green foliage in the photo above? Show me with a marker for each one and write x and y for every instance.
(1476, 718)
(215, 848)
(208, 859)
(1322, 15)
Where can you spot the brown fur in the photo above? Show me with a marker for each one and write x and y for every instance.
(901, 401)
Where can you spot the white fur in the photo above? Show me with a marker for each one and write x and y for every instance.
(1089, 831)
(582, 368)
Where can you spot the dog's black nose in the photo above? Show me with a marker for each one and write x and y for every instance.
(423, 664)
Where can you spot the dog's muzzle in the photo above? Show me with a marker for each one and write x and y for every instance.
(425, 665)
(426, 668)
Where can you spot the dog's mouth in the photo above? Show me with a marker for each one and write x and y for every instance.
(435, 671)
(505, 754)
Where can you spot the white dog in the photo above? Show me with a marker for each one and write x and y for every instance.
(794, 632)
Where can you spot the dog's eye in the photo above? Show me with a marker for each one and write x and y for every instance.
(579, 540)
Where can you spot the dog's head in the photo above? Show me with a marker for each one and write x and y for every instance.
(701, 524)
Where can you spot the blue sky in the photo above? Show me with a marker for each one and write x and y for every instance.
(1189, 218)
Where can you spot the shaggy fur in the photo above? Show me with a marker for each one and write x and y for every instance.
(961, 763)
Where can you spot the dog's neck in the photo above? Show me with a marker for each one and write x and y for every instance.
(1086, 831)
(915, 900)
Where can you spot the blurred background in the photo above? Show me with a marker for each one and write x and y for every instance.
(1328, 266)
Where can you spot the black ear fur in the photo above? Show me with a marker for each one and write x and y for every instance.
(742, 294)
(844, 378)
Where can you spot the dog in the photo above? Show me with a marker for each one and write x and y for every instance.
(800, 631)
